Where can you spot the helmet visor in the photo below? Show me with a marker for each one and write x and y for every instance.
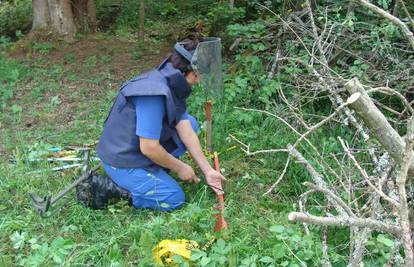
(206, 62)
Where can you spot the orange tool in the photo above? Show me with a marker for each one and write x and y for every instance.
(221, 224)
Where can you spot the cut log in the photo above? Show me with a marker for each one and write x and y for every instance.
(376, 122)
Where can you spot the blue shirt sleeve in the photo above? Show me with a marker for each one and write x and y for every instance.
(150, 111)
(184, 116)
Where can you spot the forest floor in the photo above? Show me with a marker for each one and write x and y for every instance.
(62, 100)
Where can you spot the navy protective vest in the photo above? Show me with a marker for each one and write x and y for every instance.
(119, 144)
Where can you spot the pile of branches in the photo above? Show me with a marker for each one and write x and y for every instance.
(367, 188)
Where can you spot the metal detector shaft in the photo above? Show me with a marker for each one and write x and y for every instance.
(42, 205)
(63, 192)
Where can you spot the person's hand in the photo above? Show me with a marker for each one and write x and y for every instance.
(187, 174)
(214, 179)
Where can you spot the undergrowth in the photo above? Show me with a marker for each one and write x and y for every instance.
(72, 234)
(49, 103)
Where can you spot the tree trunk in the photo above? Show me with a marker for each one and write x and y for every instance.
(231, 3)
(90, 8)
(41, 16)
(62, 18)
(79, 14)
(84, 15)
(141, 20)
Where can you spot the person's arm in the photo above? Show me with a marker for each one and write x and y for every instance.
(192, 143)
(152, 149)
(150, 111)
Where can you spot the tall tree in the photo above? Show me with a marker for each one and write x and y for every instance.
(64, 17)
(61, 16)
(91, 13)
(41, 16)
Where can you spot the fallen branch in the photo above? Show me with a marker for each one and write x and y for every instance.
(376, 121)
(318, 179)
(334, 197)
(341, 222)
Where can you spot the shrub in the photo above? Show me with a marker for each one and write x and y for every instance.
(15, 17)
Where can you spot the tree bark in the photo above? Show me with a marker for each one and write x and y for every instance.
(231, 3)
(62, 18)
(41, 16)
(91, 10)
(376, 121)
(79, 14)
(141, 20)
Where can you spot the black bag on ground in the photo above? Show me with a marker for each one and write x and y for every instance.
(97, 191)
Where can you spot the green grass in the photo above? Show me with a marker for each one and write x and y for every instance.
(65, 105)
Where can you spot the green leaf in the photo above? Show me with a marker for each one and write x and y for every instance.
(16, 109)
(221, 244)
(279, 251)
(278, 229)
(266, 259)
(384, 240)
(18, 239)
(204, 261)
(178, 259)
(197, 254)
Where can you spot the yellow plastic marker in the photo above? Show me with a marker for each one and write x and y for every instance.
(165, 250)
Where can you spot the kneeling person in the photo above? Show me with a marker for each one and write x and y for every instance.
(148, 129)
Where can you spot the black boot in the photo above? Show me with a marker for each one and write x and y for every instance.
(98, 190)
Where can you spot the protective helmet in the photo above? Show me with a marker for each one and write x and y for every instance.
(206, 62)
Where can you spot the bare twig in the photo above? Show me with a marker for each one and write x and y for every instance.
(407, 13)
(350, 100)
(279, 179)
(318, 179)
(326, 261)
(246, 148)
(334, 197)
(294, 255)
(365, 175)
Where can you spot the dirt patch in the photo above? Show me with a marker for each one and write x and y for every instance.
(89, 68)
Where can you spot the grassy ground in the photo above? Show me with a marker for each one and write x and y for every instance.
(61, 99)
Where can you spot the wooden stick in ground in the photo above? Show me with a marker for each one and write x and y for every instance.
(209, 126)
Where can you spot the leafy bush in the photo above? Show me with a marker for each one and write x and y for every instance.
(15, 17)
(221, 15)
